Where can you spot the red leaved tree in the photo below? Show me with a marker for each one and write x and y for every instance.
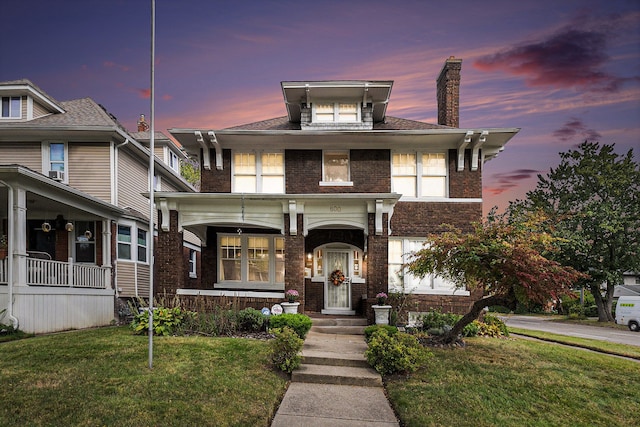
(505, 258)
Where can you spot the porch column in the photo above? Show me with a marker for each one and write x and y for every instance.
(19, 212)
(377, 262)
(106, 250)
(169, 260)
(294, 259)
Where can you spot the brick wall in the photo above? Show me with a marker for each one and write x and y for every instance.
(377, 263)
(422, 218)
(169, 263)
(466, 183)
(448, 93)
(294, 261)
(215, 181)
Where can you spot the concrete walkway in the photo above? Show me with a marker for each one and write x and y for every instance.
(335, 386)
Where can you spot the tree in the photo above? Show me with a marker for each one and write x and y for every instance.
(190, 170)
(506, 259)
(592, 202)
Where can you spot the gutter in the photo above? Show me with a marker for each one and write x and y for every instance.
(10, 233)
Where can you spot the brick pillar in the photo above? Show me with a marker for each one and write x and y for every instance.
(448, 93)
(294, 261)
(169, 262)
(377, 263)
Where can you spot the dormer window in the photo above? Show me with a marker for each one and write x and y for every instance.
(336, 112)
(174, 163)
(11, 107)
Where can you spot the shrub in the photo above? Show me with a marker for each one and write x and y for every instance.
(250, 319)
(492, 320)
(371, 329)
(436, 321)
(471, 330)
(398, 352)
(576, 312)
(285, 349)
(165, 320)
(300, 323)
(591, 311)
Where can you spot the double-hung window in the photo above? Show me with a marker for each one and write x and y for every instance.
(193, 258)
(174, 163)
(335, 168)
(418, 175)
(335, 112)
(258, 172)
(130, 249)
(85, 241)
(400, 252)
(11, 107)
(251, 261)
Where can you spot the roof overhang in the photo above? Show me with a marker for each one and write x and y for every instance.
(375, 92)
(27, 89)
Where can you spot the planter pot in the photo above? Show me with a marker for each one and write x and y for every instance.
(382, 314)
(290, 307)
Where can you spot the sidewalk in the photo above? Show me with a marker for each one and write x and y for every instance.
(335, 386)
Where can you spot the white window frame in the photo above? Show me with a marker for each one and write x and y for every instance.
(315, 117)
(133, 244)
(420, 174)
(348, 182)
(259, 175)
(11, 111)
(244, 282)
(78, 234)
(356, 262)
(193, 266)
(173, 161)
(46, 159)
(428, 285)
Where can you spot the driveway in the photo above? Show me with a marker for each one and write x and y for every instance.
(582, 331)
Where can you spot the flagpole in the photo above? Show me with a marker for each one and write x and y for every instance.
(151, 179)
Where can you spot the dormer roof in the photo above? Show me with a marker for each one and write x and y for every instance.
(25, 87)
(374, 92)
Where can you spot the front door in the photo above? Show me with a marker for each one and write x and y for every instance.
(337, 293)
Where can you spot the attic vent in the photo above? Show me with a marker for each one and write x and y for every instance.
(56, 175)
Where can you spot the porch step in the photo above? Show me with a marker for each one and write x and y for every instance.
(341, 330)
(342, 321)
(341, 375)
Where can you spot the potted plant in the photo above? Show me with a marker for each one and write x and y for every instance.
(381, 309)
(291, 306)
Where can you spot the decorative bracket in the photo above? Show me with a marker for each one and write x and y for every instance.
(476, 149)
(379, 206)
(461, 147)
(206, 159)
(164, 208)
(216, 145)
(293, 218)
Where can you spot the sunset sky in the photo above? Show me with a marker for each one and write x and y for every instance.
(564, 71)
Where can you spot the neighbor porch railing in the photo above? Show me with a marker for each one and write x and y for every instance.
(3, 271)
(42, 272)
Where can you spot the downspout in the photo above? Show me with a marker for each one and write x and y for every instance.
(10, 233)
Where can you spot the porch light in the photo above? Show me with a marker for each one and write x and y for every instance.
(69, 227)
(46, 227)
(309, 255)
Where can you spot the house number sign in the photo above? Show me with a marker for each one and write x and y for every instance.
(335, 208)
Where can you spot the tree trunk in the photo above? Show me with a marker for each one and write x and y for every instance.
(604, 304)
(477, 307)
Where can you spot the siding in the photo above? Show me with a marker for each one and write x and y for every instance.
(90, 170)
(132, 182)
(27, 154)
(38, 110)
(126, 275)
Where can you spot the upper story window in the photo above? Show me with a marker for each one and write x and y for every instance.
(335, 168)
(258, 172)
(55, 160)
(131, 250)
(11, 107)
(419, 175)
(332, 112)
(174, 162)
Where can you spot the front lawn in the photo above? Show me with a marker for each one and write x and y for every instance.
(507, 382)
(101, 377)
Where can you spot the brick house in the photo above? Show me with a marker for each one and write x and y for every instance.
(334, 185)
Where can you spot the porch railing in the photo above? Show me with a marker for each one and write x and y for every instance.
(3, 272)
(42, 272)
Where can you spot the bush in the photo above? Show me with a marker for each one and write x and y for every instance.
(577, 312)
(398, 352)
(471, 330)
(437, 323)
(300, 323)
(285, 349)
(592, 311)
(371, 329)
(165, 320)
(250, 319)
(492, 320)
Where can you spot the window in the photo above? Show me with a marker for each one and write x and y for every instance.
(193, 272)
(260, 172)
(335, 167)
(254, 261)
(331, 112)
(128, 249)
(85, 241)
(174, 163)
(419, 175)
(57, 156)
(11, 107)
(400, 280)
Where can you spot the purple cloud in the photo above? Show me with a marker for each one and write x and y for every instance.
(575, 128)
(508, 180)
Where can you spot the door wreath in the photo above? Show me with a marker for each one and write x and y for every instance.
(337, 277)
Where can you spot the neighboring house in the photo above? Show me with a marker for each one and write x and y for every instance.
(630, 285)
(72, 203)
(335, 185)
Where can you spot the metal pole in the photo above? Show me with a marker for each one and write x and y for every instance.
(151, 178)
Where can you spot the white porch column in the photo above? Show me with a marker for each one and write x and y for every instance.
(106, 251)
(19, 212)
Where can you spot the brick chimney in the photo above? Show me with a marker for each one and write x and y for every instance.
(143, 126)
(448, 93)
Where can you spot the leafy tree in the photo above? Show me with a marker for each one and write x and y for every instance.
(592, 201)
(507, 260)
(190, 170)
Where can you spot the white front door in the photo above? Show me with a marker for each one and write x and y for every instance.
(337, 295)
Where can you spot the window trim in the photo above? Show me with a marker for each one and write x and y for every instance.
(9, 116)
(133, 227)
(259, 175)
(244, 282)
(336, 111)
(46, 158)
(420, 175)
(90, 241)
(192, 263)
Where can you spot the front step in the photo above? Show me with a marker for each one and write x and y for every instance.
(330, 321)
(341, 375)
(340, 330)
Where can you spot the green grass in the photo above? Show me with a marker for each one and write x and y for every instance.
(499, 382)
(101, 377)
(596, 345)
